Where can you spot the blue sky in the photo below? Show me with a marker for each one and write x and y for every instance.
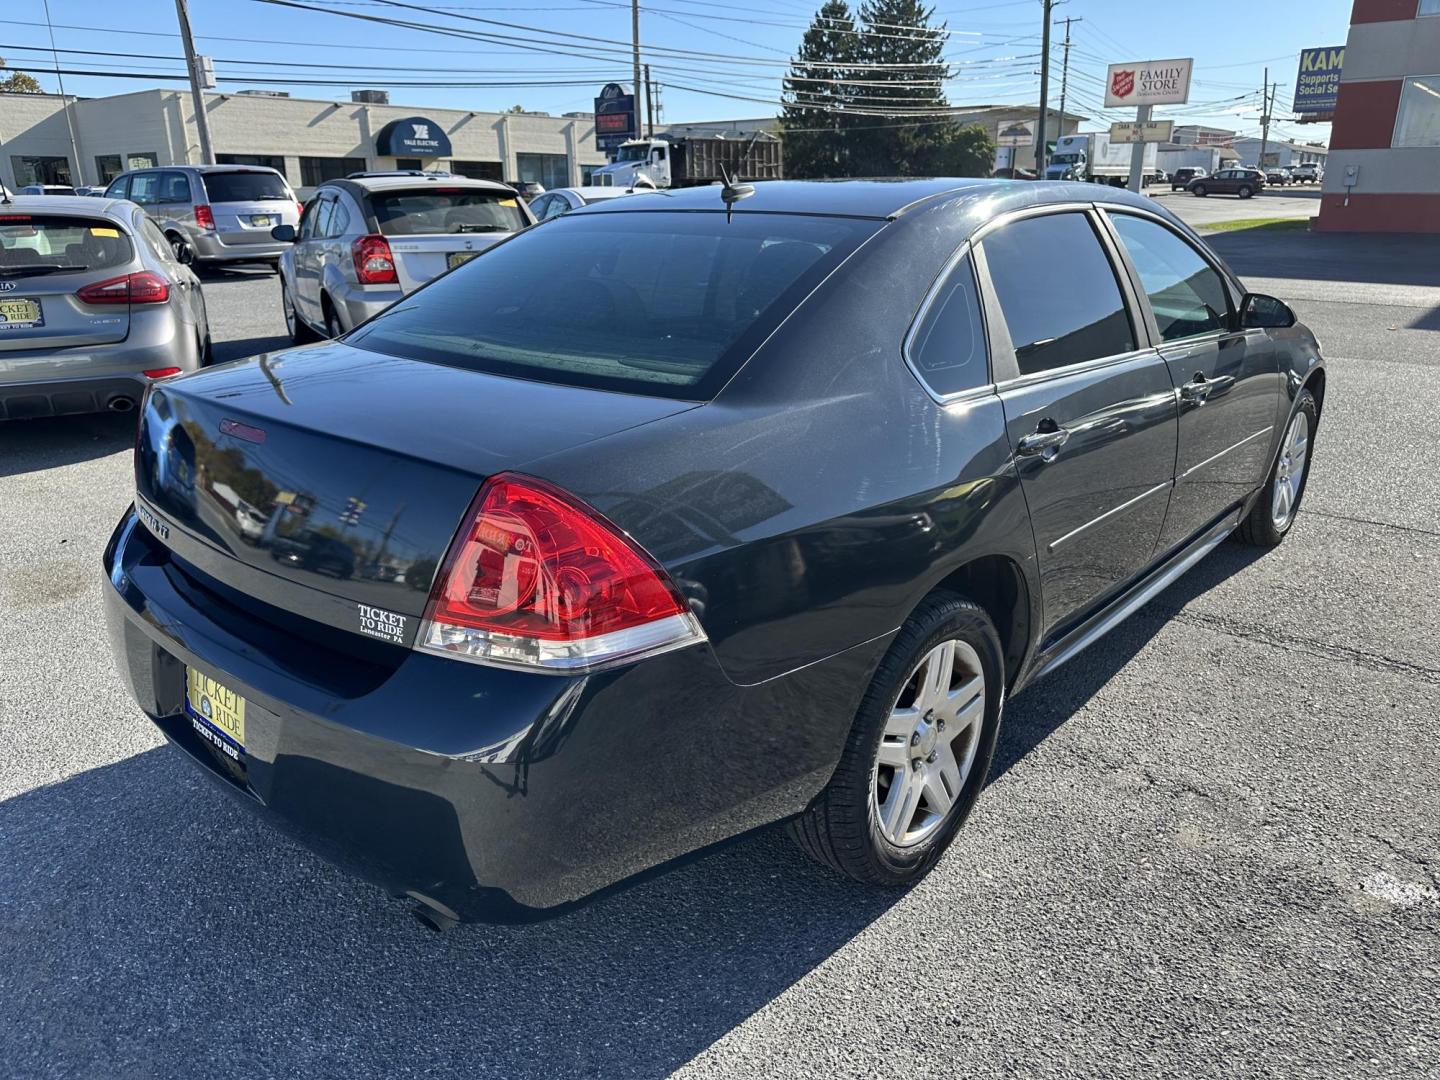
(703, 50)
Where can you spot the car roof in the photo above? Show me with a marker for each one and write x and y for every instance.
(879, 198)
(410, 180)
(53, 204)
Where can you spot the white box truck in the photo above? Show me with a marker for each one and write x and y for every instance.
(1095, 158)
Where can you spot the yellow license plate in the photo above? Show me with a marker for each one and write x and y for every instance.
(455, 258)
(260, 219)
(216, 711)
(20, 314)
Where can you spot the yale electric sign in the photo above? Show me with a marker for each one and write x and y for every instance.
(1318, 81)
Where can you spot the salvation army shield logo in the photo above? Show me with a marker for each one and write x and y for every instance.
(1122, 84)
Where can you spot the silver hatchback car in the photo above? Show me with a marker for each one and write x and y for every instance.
(224, 212)
(94, 306)
(367, 240)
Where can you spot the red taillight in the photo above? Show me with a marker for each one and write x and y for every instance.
(142, 287)
(374, 264)
(299, 210)
(204, 217)
(537, 579)
(161, 372)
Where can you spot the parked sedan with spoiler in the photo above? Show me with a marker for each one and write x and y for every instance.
(365, 241)
(679, 516)
(94, 306)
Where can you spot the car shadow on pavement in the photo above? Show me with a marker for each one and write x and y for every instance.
(149, 928)
(51, 442)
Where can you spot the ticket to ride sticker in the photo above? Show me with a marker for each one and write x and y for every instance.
(215, 710)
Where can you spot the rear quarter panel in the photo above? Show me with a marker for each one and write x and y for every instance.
(811, 506)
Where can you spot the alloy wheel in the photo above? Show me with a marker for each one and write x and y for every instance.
(929, 743)
(1290, 471)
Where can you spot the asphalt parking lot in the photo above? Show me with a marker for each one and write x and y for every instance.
(1290, 201)
(1208, 848)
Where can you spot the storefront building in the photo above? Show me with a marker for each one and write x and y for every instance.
(309, 141)
(1384, 169)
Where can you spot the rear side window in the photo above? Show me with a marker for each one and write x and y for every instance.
(51, 243)
(658, 303)
(1057, 291)
(948, 347)
(436, 211)
(223, 187)
(1186, 294)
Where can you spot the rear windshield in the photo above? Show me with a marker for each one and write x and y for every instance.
(56, 243)
(428, 211)
(658, 303)
(245, 187)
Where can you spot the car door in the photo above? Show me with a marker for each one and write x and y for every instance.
(308, 257)
(1227, 379)
(173, 209)
(1089, 407)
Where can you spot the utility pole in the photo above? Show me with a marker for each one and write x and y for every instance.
(1267, 100)
(192, 64)
(649, 105)
(635, 46)
(79, 177)
(1065, 70)
(1049, 6)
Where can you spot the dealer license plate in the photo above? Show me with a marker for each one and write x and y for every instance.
(261, 219)
(455, 258)
(216, 712)
(18, 313)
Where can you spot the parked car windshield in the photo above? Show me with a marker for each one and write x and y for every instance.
(431, 211)
(658, 303)
(60, 243)
(225, 187)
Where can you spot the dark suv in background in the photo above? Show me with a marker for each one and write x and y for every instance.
(1181, 177)
(1237, 181)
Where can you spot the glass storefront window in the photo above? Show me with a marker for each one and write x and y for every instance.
(142, 160)
(108, 166)
(547, 170)
(40, 170)
(478, 170)
(1419, 121)
(316, 170)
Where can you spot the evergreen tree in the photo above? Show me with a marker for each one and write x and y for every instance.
(814, 121)
(905, 76)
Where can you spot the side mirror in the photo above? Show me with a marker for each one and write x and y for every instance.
(284, 233)
(184, 253)
(1260, 312)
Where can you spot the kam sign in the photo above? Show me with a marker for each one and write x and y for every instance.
(1151, 82)
(1317, 83)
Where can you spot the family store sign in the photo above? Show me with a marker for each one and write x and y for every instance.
(1153, 82)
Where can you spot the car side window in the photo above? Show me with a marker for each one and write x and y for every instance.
(307, 220)
(117, 187)
(175, 188)
(1057, 291)
(154, 239)
(1186, 293)
(145, 188)
(339, 219)
(320, 219)
(947, 347)
(558, 205)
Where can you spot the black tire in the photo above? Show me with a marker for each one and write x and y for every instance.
(176, 242)
(333, 329)
(1260, 527)
(1244, 193)
(1199, 189)
(300, 332)
(840, 828)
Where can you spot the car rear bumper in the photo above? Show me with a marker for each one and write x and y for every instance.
(486, 793)
(67, 397)
(209, 247)
(357, 304)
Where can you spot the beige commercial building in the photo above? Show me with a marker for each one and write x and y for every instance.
(308, 140)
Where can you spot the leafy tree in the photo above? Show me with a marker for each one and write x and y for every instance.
(867, 98)
(813, 118)
(18, 82)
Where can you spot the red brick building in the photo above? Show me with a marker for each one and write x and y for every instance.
(1383, 174)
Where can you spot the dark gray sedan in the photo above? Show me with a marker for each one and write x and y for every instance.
(94, 306)
(675, 517)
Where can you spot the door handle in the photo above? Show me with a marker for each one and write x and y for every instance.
(1045, 441)
(1197, 390)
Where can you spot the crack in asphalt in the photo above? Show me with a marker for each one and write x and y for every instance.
(1369, 521)
(1309, 646)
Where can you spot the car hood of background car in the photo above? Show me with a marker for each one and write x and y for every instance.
(345, 471)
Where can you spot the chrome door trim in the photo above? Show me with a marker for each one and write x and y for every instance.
(1082, 638)
(1110, 513)
(1047, 375)
(1216, 457)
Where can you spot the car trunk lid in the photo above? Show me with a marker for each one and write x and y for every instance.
(420, 258)
(247, 204)
(329, 482)
(45, 260)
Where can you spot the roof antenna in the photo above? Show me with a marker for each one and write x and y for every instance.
(731, 193)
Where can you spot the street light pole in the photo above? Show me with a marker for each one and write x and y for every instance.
(1065, 71)
(1266, 99)
(1049, 6)
(635, 46)
(202, 119)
